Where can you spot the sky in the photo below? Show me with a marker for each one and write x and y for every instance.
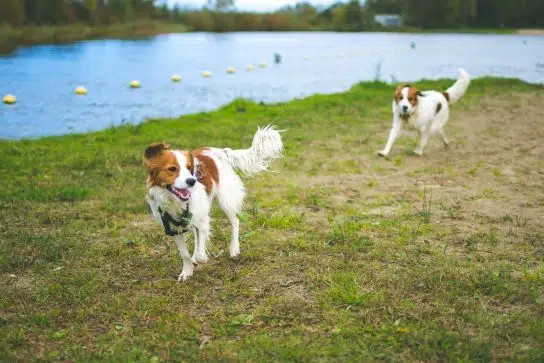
(253, 5)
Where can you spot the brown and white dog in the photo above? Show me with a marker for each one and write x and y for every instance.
(426, 112)
(182, 185)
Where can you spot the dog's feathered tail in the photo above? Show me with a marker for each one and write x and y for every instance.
(266, 147)
(455, 92)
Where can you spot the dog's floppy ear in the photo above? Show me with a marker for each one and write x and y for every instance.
(398, 91)
(418, 92)
(153, 151)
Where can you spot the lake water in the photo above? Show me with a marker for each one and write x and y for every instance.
(43, 78)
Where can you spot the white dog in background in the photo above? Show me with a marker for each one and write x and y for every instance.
(182, 185)
(426, 112)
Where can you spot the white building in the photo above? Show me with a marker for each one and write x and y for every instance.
(390, 20)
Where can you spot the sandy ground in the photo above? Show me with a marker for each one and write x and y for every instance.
(492, 173)
(531, 31)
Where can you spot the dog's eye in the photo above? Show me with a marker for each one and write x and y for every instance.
(173, 169)
(410, 99)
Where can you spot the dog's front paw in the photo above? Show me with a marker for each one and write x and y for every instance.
(185, 274)
(418, 152)
(199, 259)
(234, 251)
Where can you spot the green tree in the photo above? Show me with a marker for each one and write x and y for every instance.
(384, 6)
(339, 18)
(92, 10)
(218, 14)
(12, 12)
(127, 10)
(58, 11)
(354, 15)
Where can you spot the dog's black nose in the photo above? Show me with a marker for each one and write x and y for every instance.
(405, 108)
(190, 181)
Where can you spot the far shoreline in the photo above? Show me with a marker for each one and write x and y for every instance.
(12, 38)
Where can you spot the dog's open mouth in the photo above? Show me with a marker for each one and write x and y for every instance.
(182, 194)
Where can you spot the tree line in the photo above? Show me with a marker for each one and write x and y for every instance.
(464, 13)
(60, 12)
(221, 15)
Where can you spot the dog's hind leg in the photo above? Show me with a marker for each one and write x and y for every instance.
(230, 197)
(422, 142)
(235, 240)
(232, 205)
(444, 138)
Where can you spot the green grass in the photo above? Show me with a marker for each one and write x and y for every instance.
(345, 256)
(10, 38)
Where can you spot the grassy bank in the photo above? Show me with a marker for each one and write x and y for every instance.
(463, 30)
(10, 38)
(531, 31)
(345, 256)
(458, 30)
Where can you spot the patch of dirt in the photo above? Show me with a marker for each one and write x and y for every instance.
(531, 32)
(499, 165)
(493, 170)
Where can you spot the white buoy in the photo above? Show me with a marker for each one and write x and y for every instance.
(176, 77)
(9, 99)
(231, 70)
(135, 84)
(262, 64)
(206, 74)
(249, 67)
(80, 90)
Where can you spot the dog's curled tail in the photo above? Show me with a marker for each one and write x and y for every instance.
(266, 147)
(455, 92)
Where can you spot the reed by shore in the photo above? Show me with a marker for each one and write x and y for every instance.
(11, 38)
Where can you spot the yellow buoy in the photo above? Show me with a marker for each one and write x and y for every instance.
(135, 84)
(80, 90)
(231, 70)
(262, 64)
(249, 67)
(176, 78)
(9, 99)
(206, 74)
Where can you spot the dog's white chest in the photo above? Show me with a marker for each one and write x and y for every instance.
(410, 124)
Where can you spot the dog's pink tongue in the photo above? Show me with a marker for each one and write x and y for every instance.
(184, 193)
